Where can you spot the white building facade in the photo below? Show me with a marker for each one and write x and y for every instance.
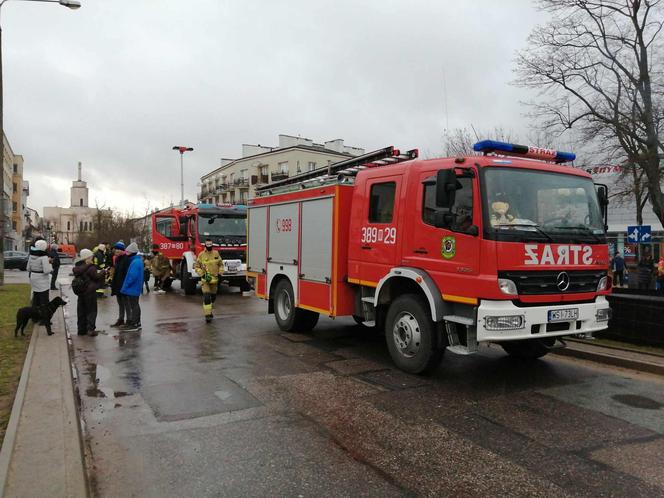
(235, 180)
(64, 224)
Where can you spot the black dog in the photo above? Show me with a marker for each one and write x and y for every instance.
(37, 314)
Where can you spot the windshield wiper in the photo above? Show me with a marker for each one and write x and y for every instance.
(529, 225)
(583, 228)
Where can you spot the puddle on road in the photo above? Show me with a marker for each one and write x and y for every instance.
(636, 401)
(172, 327)
(98, 375)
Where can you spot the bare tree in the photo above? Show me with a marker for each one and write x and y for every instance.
(594, 64)
(459, 141)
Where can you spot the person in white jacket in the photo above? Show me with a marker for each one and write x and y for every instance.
(39, 269)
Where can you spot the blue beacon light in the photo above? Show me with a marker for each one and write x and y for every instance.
(541, 153)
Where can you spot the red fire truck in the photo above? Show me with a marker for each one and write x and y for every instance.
(507, 247)
(181, 233)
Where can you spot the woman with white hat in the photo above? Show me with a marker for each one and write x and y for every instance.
(39, 269)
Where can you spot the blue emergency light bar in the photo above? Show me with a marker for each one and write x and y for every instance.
(507, 149)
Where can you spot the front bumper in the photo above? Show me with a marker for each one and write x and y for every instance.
(535, 320)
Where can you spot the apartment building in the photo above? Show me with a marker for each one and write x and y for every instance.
(234, 181)
(14, 198)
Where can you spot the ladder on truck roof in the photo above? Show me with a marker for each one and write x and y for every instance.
(349, 167)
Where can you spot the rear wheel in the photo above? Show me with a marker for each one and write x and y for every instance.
(411, 335)
(529, 349)
(187, 283)
(289, 318)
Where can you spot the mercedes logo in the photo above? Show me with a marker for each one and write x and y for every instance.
(562, 281)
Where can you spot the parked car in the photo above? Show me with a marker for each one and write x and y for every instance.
(16, 259)
(65, 259)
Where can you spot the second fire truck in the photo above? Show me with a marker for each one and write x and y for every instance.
(181, 233)
(508, 247)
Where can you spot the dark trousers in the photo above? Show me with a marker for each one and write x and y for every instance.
(54, 276)
(122, 307)
(619, 277)
(40, 299)
(86, 312)
(133, 310)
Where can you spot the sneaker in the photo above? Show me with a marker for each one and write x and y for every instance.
(160, 291)
(131, 328)
(93, 333)
(208, 318)
(83, 333)
(118, 323)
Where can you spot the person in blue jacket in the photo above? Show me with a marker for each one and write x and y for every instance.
(131, 288)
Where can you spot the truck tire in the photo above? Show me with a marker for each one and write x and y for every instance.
(530, 349)
(187, 283)
(289, 318)
(411, 335)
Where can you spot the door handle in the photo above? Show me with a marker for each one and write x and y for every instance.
(366, 247)
(421, 250)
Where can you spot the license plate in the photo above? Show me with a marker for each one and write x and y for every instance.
(566, 315)
(232, 265)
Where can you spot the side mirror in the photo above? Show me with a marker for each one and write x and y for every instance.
(603, 199)
(446, 187)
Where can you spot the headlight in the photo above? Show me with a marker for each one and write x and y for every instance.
(603, 284)
(504, 322)
(603, 315)
(507, 286)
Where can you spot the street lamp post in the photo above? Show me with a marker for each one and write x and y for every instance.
(71, 4)
(182, 150)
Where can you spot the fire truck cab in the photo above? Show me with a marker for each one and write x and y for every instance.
(440, 254)
(181, 234)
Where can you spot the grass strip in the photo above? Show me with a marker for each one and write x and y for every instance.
(12, 351)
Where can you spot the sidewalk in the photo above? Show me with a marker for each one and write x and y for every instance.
(42, 452)
(618, 357)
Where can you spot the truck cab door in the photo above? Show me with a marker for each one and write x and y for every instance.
(379, 236)
(450, 254)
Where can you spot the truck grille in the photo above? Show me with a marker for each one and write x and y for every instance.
(233, 255)
(546, 282)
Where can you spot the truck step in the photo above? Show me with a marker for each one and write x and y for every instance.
(368, 299)
(459, 349)
(459, 319)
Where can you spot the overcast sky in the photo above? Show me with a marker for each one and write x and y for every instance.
(117, 83)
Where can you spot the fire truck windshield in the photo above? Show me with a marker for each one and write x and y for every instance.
(532, 205)
(218, 225)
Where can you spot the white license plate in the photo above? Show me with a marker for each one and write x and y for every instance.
(232, 265)
(566, 315)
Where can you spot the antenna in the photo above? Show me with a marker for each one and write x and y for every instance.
(447, 116)
(475, 132)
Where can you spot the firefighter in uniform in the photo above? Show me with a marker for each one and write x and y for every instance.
(99, 260)
(209, 266)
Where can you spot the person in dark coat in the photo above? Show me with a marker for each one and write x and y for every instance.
(55, 263)
(86, 306)
(120, 265)
(645, 268)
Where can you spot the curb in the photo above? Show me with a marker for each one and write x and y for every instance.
(613, 360)
(77, 400)
(10, 434)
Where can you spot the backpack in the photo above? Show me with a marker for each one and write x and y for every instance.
(79, 285)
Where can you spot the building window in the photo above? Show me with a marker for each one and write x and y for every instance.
(381, 202)
(80, 202)
(14, 188)
(243, 197)
(14, 225)
(311, 166)
(15, 168)
(80, 228)
(14, 207)
(68, 225)
(232, 197)
(85, 226)
(283, 167)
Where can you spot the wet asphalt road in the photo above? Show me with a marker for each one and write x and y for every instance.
(237, 408)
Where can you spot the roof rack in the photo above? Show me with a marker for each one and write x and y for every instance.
(349, 167)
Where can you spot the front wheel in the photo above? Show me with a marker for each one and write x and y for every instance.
(290, 318)
(187, 283)
(411, 335)
(530, 349)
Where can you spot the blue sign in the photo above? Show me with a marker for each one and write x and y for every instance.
(639, 234)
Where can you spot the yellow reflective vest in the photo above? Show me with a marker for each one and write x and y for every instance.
(209, 266)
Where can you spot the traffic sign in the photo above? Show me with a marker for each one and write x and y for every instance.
(639, 234)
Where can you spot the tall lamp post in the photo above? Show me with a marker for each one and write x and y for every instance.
(182, 150)
(71, 4)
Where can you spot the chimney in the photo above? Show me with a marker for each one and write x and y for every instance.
(79, 170)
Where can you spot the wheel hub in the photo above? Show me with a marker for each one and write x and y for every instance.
(407, 336)
(284, 305)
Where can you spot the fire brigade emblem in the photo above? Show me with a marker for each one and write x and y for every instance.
(448, 247)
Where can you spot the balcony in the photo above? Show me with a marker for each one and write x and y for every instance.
(279, 175)
(222, 187)
(241, 182)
